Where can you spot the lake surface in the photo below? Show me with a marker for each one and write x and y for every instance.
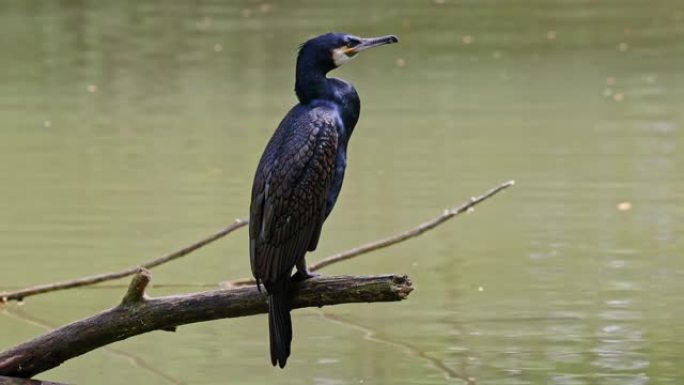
(129, 129)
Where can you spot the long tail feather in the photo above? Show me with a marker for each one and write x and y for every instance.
(279, 328)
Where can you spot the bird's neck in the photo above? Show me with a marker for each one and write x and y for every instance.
(311, 85)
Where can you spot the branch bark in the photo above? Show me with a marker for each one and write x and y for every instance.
(138, 314)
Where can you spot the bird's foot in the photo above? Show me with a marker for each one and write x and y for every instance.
(299, 276)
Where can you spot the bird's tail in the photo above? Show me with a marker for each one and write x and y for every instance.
(279, 327)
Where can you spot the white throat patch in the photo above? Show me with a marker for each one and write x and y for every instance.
(340, 57)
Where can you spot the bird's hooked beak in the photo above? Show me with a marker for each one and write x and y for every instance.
(345, 53)
(370, 43)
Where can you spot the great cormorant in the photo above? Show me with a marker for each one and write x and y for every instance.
(300, 175)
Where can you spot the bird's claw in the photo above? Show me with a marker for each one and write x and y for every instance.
(299, 276)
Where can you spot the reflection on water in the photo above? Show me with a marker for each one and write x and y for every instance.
(132, 128)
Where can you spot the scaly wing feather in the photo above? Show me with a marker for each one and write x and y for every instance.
(290, 190)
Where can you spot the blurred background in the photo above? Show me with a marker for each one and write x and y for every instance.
(132, 128)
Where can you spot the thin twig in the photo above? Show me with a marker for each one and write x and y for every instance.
(414, 232)
(394, 239)
(19, 295)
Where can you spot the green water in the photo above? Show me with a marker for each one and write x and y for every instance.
(129, 129)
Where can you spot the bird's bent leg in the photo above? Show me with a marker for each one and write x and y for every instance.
(303, 272)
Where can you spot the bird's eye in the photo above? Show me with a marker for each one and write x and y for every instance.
(353, 42)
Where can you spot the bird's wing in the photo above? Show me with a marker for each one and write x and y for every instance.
(289, 192)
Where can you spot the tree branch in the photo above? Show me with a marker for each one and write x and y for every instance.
(138, 314)
(394, 239)
(19, 295)
(411, 233)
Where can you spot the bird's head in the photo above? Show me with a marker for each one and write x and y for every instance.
(331, 50)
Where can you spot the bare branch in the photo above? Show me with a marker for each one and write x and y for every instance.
(134, 317)
(394, 239)
(19, 295)
(411, 233)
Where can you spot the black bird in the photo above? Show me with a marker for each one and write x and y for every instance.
(300, 175)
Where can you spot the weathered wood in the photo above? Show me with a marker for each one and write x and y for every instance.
(24, 381)
(138, 314)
